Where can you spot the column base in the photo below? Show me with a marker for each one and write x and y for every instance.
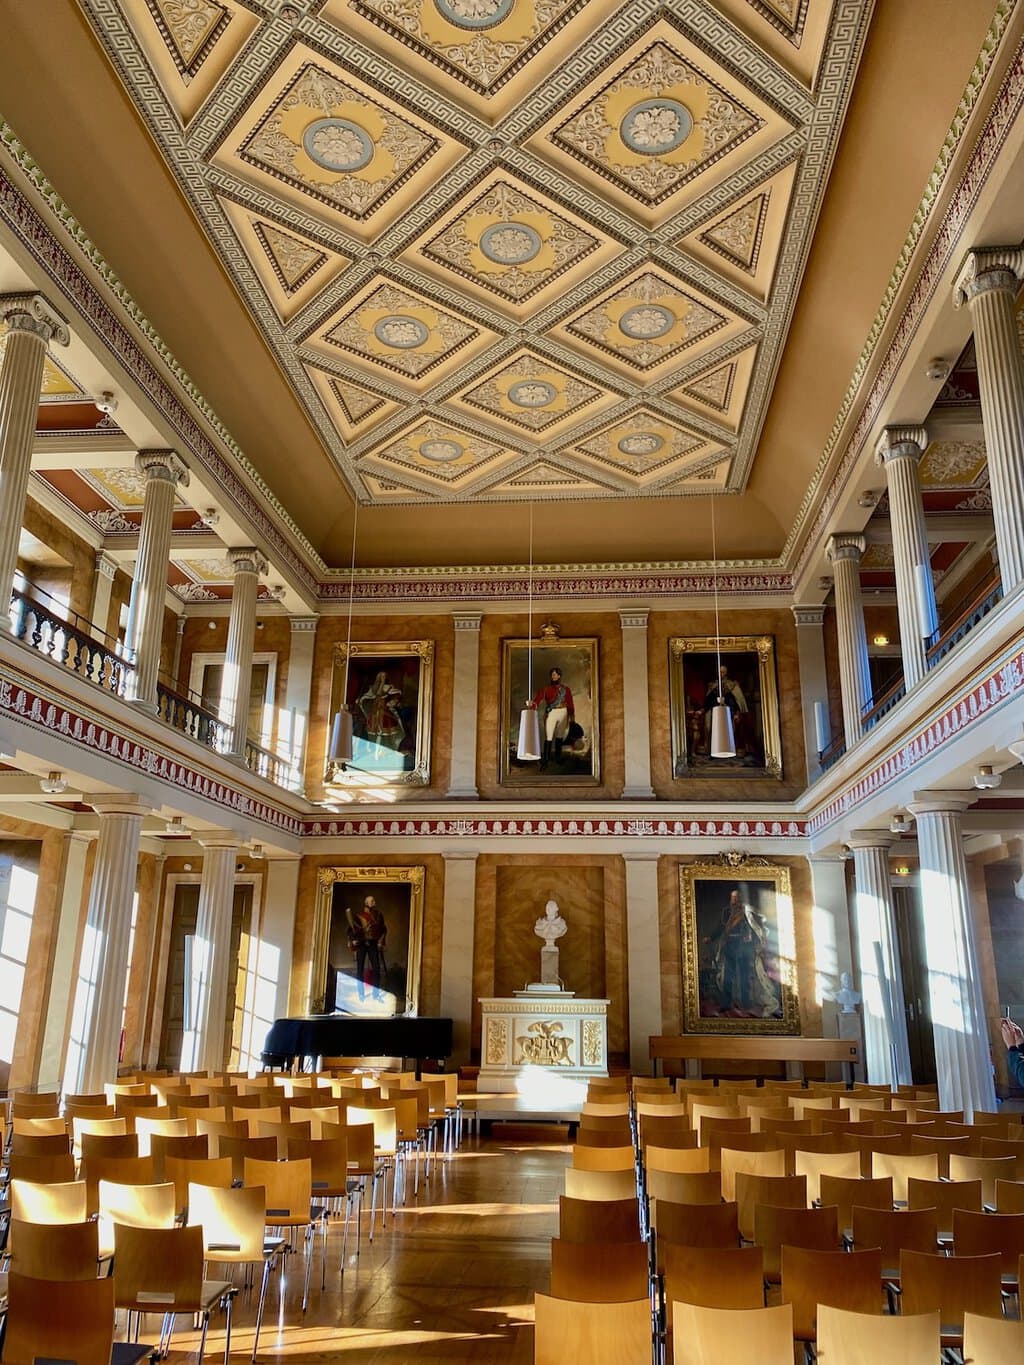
(462, 794)
(141, 704)
(638, 794)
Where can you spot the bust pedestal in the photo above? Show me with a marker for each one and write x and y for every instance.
(542, 1028)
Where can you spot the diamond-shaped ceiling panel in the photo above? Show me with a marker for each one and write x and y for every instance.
(533, 396)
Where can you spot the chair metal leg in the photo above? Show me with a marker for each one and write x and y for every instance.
(259, 1310)
(227, 1302)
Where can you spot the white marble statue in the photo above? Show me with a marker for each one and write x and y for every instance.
(551, 925)
(846, 997)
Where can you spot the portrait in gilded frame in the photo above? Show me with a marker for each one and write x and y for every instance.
(389, 694)
(560, 678)
(742, 669)
(739, 949)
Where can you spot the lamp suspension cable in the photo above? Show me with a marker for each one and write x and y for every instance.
(340, 752)
(723, 743)
(529, 615)
(528, 749)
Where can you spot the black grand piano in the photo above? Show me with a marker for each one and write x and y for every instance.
(351, 1035)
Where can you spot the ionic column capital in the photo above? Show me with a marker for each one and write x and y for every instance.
(33, 313)
(106, 565)
(634, 619)
(247, 559)
(871, 838)
(939, 803)
(226, 839)
(900, 443)
(467, 620)
(303, 625)
(987, 268)
(162, 465)
(119, 803)
(805, 615)
(845, 545)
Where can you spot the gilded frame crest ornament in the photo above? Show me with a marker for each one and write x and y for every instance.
(390, 694)
(573, 759)
(335, 957)
(739, 947)
(751, 692)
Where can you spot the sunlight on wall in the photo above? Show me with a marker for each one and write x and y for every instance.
(17, 902)
(197, 967)
(947, 977)
(826, 959)
(89, 967)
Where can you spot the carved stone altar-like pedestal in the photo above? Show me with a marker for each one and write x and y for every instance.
(553, 1031)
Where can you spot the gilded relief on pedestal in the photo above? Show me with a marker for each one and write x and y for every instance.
(592, 1043)
(544, 1044)
(496, 1045)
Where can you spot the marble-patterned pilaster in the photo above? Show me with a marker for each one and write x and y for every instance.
(102, 586)
(988, 283)
(163, 472)
(32, 324)
(636, 719)
(833, 953)
(643, 956)
(844, 552)
(234, 698)
(958, 1016)
(810, 644)
(202, 1044)
(103, 961)
(457, 947)
(300, 683)
(274, 949)
(465, 682)
(899, 450)
(887, 1051)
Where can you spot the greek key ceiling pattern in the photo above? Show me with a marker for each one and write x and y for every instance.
(507, 249)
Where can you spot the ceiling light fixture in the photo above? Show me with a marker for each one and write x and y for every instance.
(177, 828)
(53, 783)
(209, 518)
(985, 779)
(340, 752)
(1016, 747)
(937, 368)
(528, 748)
(900, 823)
(869, 498)
(106, 403)
(723, 742)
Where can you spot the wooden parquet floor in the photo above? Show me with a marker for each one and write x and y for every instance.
(451, 1278)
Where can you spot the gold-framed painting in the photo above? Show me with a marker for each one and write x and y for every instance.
(742, 669)
(559, 677)
(367, 941)
(739, 947)
(389, 689)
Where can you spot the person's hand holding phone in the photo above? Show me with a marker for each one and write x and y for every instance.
(1013, 1034)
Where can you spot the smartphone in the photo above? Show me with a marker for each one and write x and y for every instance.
(1006, 1011)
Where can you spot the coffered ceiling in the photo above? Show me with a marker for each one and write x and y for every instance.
(504, 251)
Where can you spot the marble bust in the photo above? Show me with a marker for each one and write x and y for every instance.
(551, 925)
(846, 997)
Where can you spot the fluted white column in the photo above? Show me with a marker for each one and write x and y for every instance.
(810, 646)
(465, 700)
(636, 713)
(163, 473)
(237, 682)
(899, 450)
(958, 1015)
(457, 945)
(886, 1049)
(643, 955)
(202, 1044)
(103, 963)
(844, 552)
(988, 282)
(31, 325)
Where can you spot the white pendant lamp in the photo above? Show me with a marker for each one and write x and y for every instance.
(340, 751)
(723, 743)
(528, 749)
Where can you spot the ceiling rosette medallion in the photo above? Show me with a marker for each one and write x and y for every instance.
(667, 124)
(534, 396)
(650, 321)
(511, 244)
(318, 138)
(397, 332)
(434, 455)
(645, 449)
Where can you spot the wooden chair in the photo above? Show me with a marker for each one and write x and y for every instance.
(682, 1159)
(979, 1234)
(42, 1170)
(868, 1144)
(824, 1144)
(50, 1125)
(54, 1251)
(194, 1147)
(123, 1170)
(66, 1202)
(233, 1224)
(601, 1185)
(137, 1206)
(735, 1162)
(993, 1341)
(846, 1338)
(714, 1277)
(598, 1333)
(782, 1127)
(288, 1187)
(902, 1168)
(953, 1285)
(685, 1187)
(944, 1196)
(784, 1191)
(604, 1158)
(945, 1148)
(181, 1171)
(814, 1165)
(281, 1133)
(147, 1128)
(662, 1132)
(51, 1320)
(987, 1169)
(599, 1272)
(812, 1278)
(241, 1148)
(815, 1229)
(1009, 1196)
(844, 1192)
(603, 1137)
(696, 1225)
(109, 1144)
(589, 1220)
(895, 1230)
(40, 1144)
(161, 1269)
(712, 1336)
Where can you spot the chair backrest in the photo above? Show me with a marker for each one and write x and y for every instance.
(845, 1191)
(281, 1132)
(712, 1336)
(59, 1320)
(816, 1164)
(238, 1148)
(987, 1169)
(817, 1229)
(54, 1251)
(288, 1186)
(603, 1137)
(385, 1125)
(992, 1341)
(317, 1115)
(811, 1278)
(183, 1171)
(599, 1333)
(233, 1222)
(158, 1267)
(589, 1220)
(603, 1158)
(685, 1187)
(894, 1230)
(196, 1147)
(979, 1234)
(714, 1277)
(599, 1272)
(953, 1285)
(696, 1225)
(43, 1170)
(66, 1202)
(846, 1338)
(599, 1185)
(784, 1191)
(686, 1159)
(51, 1125)
(901, 1168)
(944, 1196)
(109, 1144)
(736, 1161)
(1009, 1196)
(124, 1170)
(148, 1128)
(328, 1159)
(138, 1206)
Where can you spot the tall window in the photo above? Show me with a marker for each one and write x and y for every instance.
(17, 901)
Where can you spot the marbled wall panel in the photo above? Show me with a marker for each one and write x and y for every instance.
(775, 621)
(140, 970)
(43, 856)
(77, 552)
(607, 628)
